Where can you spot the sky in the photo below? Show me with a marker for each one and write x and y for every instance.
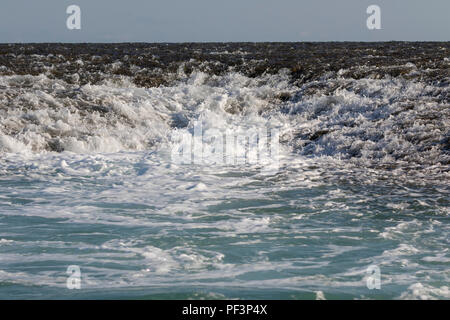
(223, 20)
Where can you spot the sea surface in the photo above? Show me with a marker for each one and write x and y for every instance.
(358, 188)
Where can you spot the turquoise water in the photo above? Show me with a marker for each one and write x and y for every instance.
(355, 188)
(140, 227)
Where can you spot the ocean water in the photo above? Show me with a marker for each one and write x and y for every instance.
(89, 178)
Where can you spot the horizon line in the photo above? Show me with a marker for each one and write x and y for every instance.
(211, 42)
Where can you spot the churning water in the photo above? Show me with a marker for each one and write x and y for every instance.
(87, 175)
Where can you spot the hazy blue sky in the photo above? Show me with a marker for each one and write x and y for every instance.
(223, 20)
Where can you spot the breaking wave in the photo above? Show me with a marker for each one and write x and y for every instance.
(364, 113)
(86, 131)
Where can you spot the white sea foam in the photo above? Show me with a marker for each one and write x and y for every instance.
(367, 119)
(418, 291)
(141, 219)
